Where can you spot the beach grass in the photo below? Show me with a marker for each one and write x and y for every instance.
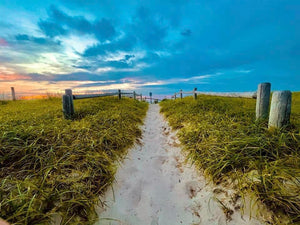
(223, 139)
(51, 167)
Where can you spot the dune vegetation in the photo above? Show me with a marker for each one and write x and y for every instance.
(56, 168)
(222, 138)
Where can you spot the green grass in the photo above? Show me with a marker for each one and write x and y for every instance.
(222, 138)
(52, 166)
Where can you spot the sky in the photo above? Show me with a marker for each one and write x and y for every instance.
(159, 45)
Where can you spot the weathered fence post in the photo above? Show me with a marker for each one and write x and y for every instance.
(175, 96)
(195, 93)
(119, 94)
(68, 104)
(280, 109)
(180, 93)
(263, 100)
(150, 94)
(13, 93)
(134, 95)
(141, 97)
(70, 93)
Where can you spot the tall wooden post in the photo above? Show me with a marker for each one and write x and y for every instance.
(68, 104)
(119, 94)
(180, 93)
(141, 97)
(263, 100)
(134, 95)
(70, 93)
(150, 94)
(195, 93)
(175, 96)
(13, 93)
(280, 109)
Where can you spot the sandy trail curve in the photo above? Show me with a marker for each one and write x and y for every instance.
(154, 187)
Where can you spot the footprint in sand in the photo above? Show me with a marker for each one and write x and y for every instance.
(192, 188)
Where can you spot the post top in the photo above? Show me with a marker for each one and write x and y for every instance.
(282, 92)
(68, 92)
(265, 83)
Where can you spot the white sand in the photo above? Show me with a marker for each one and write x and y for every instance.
(155, 187)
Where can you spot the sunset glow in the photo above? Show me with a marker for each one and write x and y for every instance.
(162, 46)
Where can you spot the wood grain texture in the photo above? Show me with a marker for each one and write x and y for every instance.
(263, 100)
(280, 109)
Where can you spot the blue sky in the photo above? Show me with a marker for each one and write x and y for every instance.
(160, 45)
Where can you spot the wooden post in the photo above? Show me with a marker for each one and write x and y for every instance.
(134, 95)
(175, 96)
(195, 94)
(180, 93)
(119, 94)
(141, 97)
(68, 104)
(263, 100)
(66, 101)
(280, 109)
(13, 93)
(70, 93)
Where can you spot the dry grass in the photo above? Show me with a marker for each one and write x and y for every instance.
(50, 166)
(222, 138)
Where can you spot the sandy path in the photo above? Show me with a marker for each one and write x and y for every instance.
(155, 187)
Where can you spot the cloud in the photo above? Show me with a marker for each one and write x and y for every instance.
(59, 23)
(146, 30)
(36, 40)
(150, 29)
(3, 42)
(7, 74)
(104, 30)
(186, 32)
(52, 29)
(159, 44)
(126, 43)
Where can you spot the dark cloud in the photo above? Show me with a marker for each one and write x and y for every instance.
(128, 57)
(145, 31)
(79, 76)
(59, 23)
(97, 85)
(149, 28)
(186, 32)
(104, 30)
(22, 37)
(126, 43)
(36, 40)
(52, 29)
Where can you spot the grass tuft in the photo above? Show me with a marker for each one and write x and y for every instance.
(50, 166)
(223, 138)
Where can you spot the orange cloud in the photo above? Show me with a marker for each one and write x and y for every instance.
(13, 77)
(7, 74)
